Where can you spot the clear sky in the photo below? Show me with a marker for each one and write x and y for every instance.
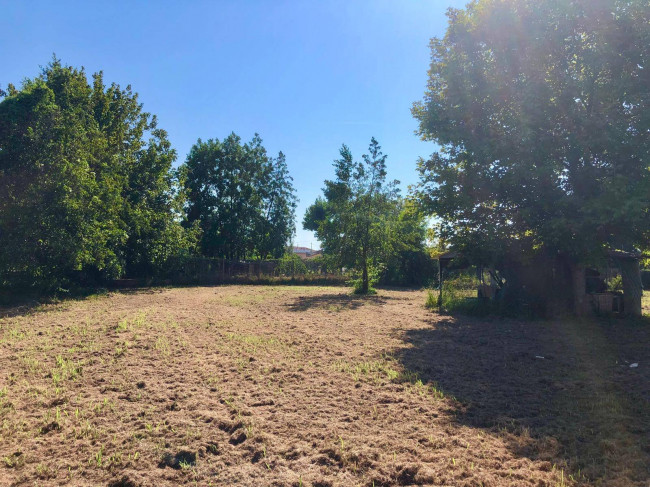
(306, 75)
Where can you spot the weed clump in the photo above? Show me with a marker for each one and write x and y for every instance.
(432, 300)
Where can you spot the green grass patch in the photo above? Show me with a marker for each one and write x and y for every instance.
(387, 369)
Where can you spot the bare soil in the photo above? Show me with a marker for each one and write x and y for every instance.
(254, 385)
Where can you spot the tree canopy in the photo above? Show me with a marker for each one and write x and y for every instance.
(354, 219)
(540, 108)
(243, 200)
(85, 182)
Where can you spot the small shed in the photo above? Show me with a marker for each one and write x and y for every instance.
(589, 295)
(629, 265)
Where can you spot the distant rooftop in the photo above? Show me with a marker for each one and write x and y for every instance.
(305, 252)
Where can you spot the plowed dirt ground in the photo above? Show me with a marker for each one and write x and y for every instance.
(253, 385)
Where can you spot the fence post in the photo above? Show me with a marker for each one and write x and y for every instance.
(439, 284)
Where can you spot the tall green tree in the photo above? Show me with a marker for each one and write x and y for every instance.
(81, 189)
(140, 159)
(243, 200)
(351, 220)
(278, 224)
(540, 108)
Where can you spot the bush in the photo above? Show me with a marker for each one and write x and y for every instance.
(374, 274)
(432, 300)
(457, 290)
(318, 264)
(456, 293)
(459, 295)
(291, 265)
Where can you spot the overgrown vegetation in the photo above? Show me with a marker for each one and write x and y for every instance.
(615, 284)
(460, 296)
(291, 265)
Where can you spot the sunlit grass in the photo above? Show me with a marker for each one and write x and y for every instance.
(387, 369)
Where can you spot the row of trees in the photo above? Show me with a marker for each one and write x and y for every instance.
(539, 108)
(88, 191)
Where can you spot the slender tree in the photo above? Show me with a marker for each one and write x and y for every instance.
(351, 219)
(279, 210)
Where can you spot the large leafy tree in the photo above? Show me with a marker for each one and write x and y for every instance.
(243, 200)
(140, 159)
(81, 189)
(540, 108)
(351, 220)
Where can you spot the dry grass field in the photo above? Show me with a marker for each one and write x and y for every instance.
(309, 386)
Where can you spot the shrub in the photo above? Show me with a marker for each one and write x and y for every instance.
(374, 274)
(291, 265)
(432, 300)
(456, 291)
(459, 295)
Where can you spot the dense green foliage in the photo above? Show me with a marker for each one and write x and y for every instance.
(541, 111)
(407, 261)
(291, 265)
(86, 188)
(243, 200)
(361, 221)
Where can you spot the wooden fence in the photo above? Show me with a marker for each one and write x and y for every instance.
(213, 270)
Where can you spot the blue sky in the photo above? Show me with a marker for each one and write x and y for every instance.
(306, 75)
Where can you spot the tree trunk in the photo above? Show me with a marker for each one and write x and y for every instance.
(579, 290)
(439, 284)
(364, 274)
(632, 288)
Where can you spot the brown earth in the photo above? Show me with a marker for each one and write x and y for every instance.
(252, 385)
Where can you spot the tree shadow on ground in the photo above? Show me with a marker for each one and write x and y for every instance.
(22, 309)
(562, 391)
(336, 302)
(13, 306)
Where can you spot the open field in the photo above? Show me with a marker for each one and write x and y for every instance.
(253, 385)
